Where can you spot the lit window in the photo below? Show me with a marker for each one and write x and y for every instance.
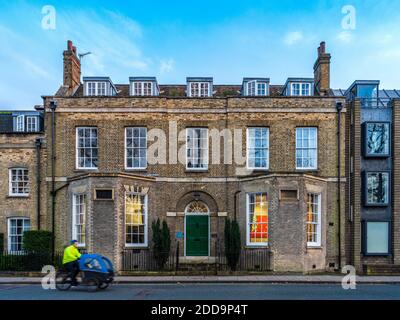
(377, 139)
(257, 219)
(306, 148)
(199, 89)
(142, 89)
(19, 182)
(32, 124)
(301, 89)
(313, 220)
(136, 148)
(79, 219)
(135, 220)
(197, 148)
(377, 188)
(16, 229)
(87, 150)
(376, 238)
(257, 148)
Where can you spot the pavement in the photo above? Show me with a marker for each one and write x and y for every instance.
(294, 279)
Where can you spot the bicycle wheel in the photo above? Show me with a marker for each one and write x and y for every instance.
(92, 284)
(103, 285)
(63, 281)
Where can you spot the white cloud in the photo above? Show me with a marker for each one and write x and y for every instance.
(345, 37)
(167, 66)
(293, 37)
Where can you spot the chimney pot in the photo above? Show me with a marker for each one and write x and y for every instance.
(322, 46)
(69, 46)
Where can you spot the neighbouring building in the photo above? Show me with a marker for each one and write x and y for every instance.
(281, 178)
(22, 191)
(373, 227)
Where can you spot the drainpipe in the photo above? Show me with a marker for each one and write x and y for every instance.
(339, 107)
(38, 144)
(53, 107)
(235, 203)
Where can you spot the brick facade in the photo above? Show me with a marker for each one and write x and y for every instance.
(217, 186)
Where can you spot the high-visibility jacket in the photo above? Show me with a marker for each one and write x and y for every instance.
(71, 254)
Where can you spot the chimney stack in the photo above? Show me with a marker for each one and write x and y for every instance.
(322, 71)
(72, 68)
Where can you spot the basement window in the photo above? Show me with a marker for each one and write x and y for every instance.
(104, 194)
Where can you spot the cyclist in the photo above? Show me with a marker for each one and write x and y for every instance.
(70, 260)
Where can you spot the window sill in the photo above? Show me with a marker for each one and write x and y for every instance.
(261, 246)
(311, 247)
(136, 169)
(136, 248)
(196, 170)
(19, 196)
(86, 170)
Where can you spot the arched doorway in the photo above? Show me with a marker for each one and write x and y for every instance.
(197, 230)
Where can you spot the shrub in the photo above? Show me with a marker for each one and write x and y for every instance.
(37, 241)
(161, 242)
(232, 243)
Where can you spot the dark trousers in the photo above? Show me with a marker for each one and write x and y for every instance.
(73, 269)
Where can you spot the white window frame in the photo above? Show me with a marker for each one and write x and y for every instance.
(199, 84)
(248, 222)
(146, 215)
(318, 224)
(82, 202)
(97, 88)
(308, 148)
(206, 163)
(10, 182)
(248, 148)
(252, 88)
(302, 86)
(138, 88)
(20, 123)
(33, 126)
(126, 148)
(10, 234)
(77, 148)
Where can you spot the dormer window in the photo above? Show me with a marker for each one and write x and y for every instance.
(255, 87)
(143, 86)
(200, 87)
(98, 86)
(301, 89)
(32, 124)
(142, 89)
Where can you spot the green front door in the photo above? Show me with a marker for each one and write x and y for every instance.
(197, 236)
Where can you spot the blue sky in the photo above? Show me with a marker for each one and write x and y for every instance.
(174, 39)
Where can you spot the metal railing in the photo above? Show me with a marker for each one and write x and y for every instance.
(28, 261)
(375, 102)
(148, 260)
(250, 260)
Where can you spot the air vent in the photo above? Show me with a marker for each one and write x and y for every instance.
(104, 194)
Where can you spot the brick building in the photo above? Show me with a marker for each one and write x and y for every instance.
(304, 169)
(280, 178)
(22, 154)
